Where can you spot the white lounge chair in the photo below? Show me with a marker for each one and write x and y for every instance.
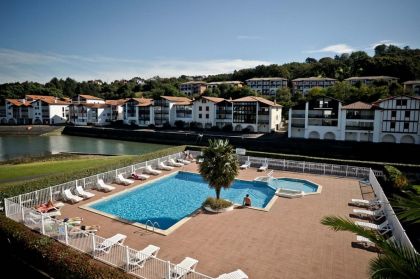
(149, 170)
(366, 242)
(263, 167)
(142, 256)
(365, 203)
(381, 228)
(102, 186)
(35, 219)
(183, 268)
(376, 214)
(82, 193)
(122, 180)
(183, 161)
(237, 274)
(69, 197)
(139, 176)
(106, 245)
(162, 166)
(246, 165)
(172, 163)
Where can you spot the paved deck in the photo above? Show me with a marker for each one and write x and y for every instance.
(286, 242)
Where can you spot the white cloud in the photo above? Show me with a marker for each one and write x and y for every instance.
(41, 67)
(338, 48)
(248, 37)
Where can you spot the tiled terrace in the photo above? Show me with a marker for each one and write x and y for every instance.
(286, 242)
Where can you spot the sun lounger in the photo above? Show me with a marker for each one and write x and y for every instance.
(49, 206)
(366, 242)
(139, 176)
(106, 245)
(237, 274)
(82, 230)
(183, 161)
(376, 214)
(69, 197)
(35, 219)
(104, 187)
(82, 193)
(246, 165)
(172, 163)
(162, 166)
(365, 203)
(183, 268)
(263, 167)
(142, 256)
(124, 181)
(381, 228)
(149, 170)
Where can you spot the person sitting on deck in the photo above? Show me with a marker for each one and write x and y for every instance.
(92, 228)
(247, 200)
(45, 207)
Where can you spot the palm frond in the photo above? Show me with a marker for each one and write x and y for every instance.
(408, 208)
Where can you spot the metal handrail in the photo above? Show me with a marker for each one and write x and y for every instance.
(152, 224)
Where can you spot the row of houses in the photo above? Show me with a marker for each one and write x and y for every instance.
(392, 120)
(254, 114)
(269, 86)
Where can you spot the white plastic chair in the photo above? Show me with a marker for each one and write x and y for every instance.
(142, 256)
(102, 186)
(82, 193)
(183, 268)
(106, 244)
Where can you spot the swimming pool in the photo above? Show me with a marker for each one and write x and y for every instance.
(170, 199)
(294, 184)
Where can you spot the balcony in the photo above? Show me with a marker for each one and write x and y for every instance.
(362, 117)
(224, 116)
(322, 122)
(322, 116)
(358, 127)
(298, 115)
(298, 125)
(222, 111)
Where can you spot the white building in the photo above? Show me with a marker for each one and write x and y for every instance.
(233, 83)
(205, 111)
(87, 99)
(116, 109)
(49, 111)
(256, 114)
(169, 109)
(371, 79)
(267, 86)
(138, 111)
(303, 85)
(316, 119)
(193, 88)
(392, 120)
(89, 114)
(413, 86)
(18, 111)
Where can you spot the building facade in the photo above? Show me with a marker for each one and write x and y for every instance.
(267, 86)
(371, 80)
(87, 99)
(303, 85)
(412, 86)
(216, 84)
(192, 88)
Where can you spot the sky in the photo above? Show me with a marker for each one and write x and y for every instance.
(111, 39)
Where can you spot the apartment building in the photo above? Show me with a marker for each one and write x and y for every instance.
(256, 114)
(116, 109)
(412, 86)
(316, 119)
(17, 112)
(303, 85)
(206, 110)
(371, 80)
(169, 109)
(233, 83)
(138, 111)
(89, 114)
(192, 88)
(391, 120)
(49, 110)
(267, 86)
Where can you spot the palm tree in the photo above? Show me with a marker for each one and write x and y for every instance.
(220, 165)
(395, 261)
(409, 208)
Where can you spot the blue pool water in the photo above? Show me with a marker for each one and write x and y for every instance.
(170, 199)
(293, 184)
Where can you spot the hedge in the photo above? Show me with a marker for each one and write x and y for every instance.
(395, 177)
(14, 189)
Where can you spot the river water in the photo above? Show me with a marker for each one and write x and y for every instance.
(14, 147)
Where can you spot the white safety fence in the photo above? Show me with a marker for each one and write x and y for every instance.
(308, 167)
(397, 229)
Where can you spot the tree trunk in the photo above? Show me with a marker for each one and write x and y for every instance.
(218, 193)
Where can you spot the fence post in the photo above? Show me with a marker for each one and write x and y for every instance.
(324, 168)
(127, 259)
(42, 224)
(6, 207)
(132, 168)
(20, 200)
(93, 245)
(284, 164)
(84, 183)
(356, 171)
(168, 275)
(66, 235)
(347, 168)
(51, 193)
(303, 167)
(22, 211)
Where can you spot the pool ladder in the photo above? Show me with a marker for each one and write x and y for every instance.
(152, 224)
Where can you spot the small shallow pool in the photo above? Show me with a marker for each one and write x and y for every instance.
(293, 184)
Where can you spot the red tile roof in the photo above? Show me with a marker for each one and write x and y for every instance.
(359, 105)
(90, 97)
(177, 99)
(256, 99)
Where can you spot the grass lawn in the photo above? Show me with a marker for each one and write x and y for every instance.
(11, 173)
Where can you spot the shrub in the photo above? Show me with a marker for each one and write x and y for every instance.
(194, 125)
(166, 125)
(395, 177)
(227, 128)
(215, 128)
(151, 126)
(216, 204)
(179, 124)
(246, 130)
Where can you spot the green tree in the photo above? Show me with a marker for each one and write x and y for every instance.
(395, 261)
(220, 165)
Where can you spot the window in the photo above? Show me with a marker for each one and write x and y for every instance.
(407, 113)
(394, 113)
(406, 125)
(200, 116)
(207, 108)
(200, 108)
(398, 102)
(404, 102)
(207, 116)
(392, 125)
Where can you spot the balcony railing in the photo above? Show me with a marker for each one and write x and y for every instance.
(298, 115)
(298, 125)
(321, 116)
(359, 127)
(322, 122)
(221, 111)
(364, 117)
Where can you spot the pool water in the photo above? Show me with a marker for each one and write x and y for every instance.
(173, 198)
(293, 184)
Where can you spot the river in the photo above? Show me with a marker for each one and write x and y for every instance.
(14, 147)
